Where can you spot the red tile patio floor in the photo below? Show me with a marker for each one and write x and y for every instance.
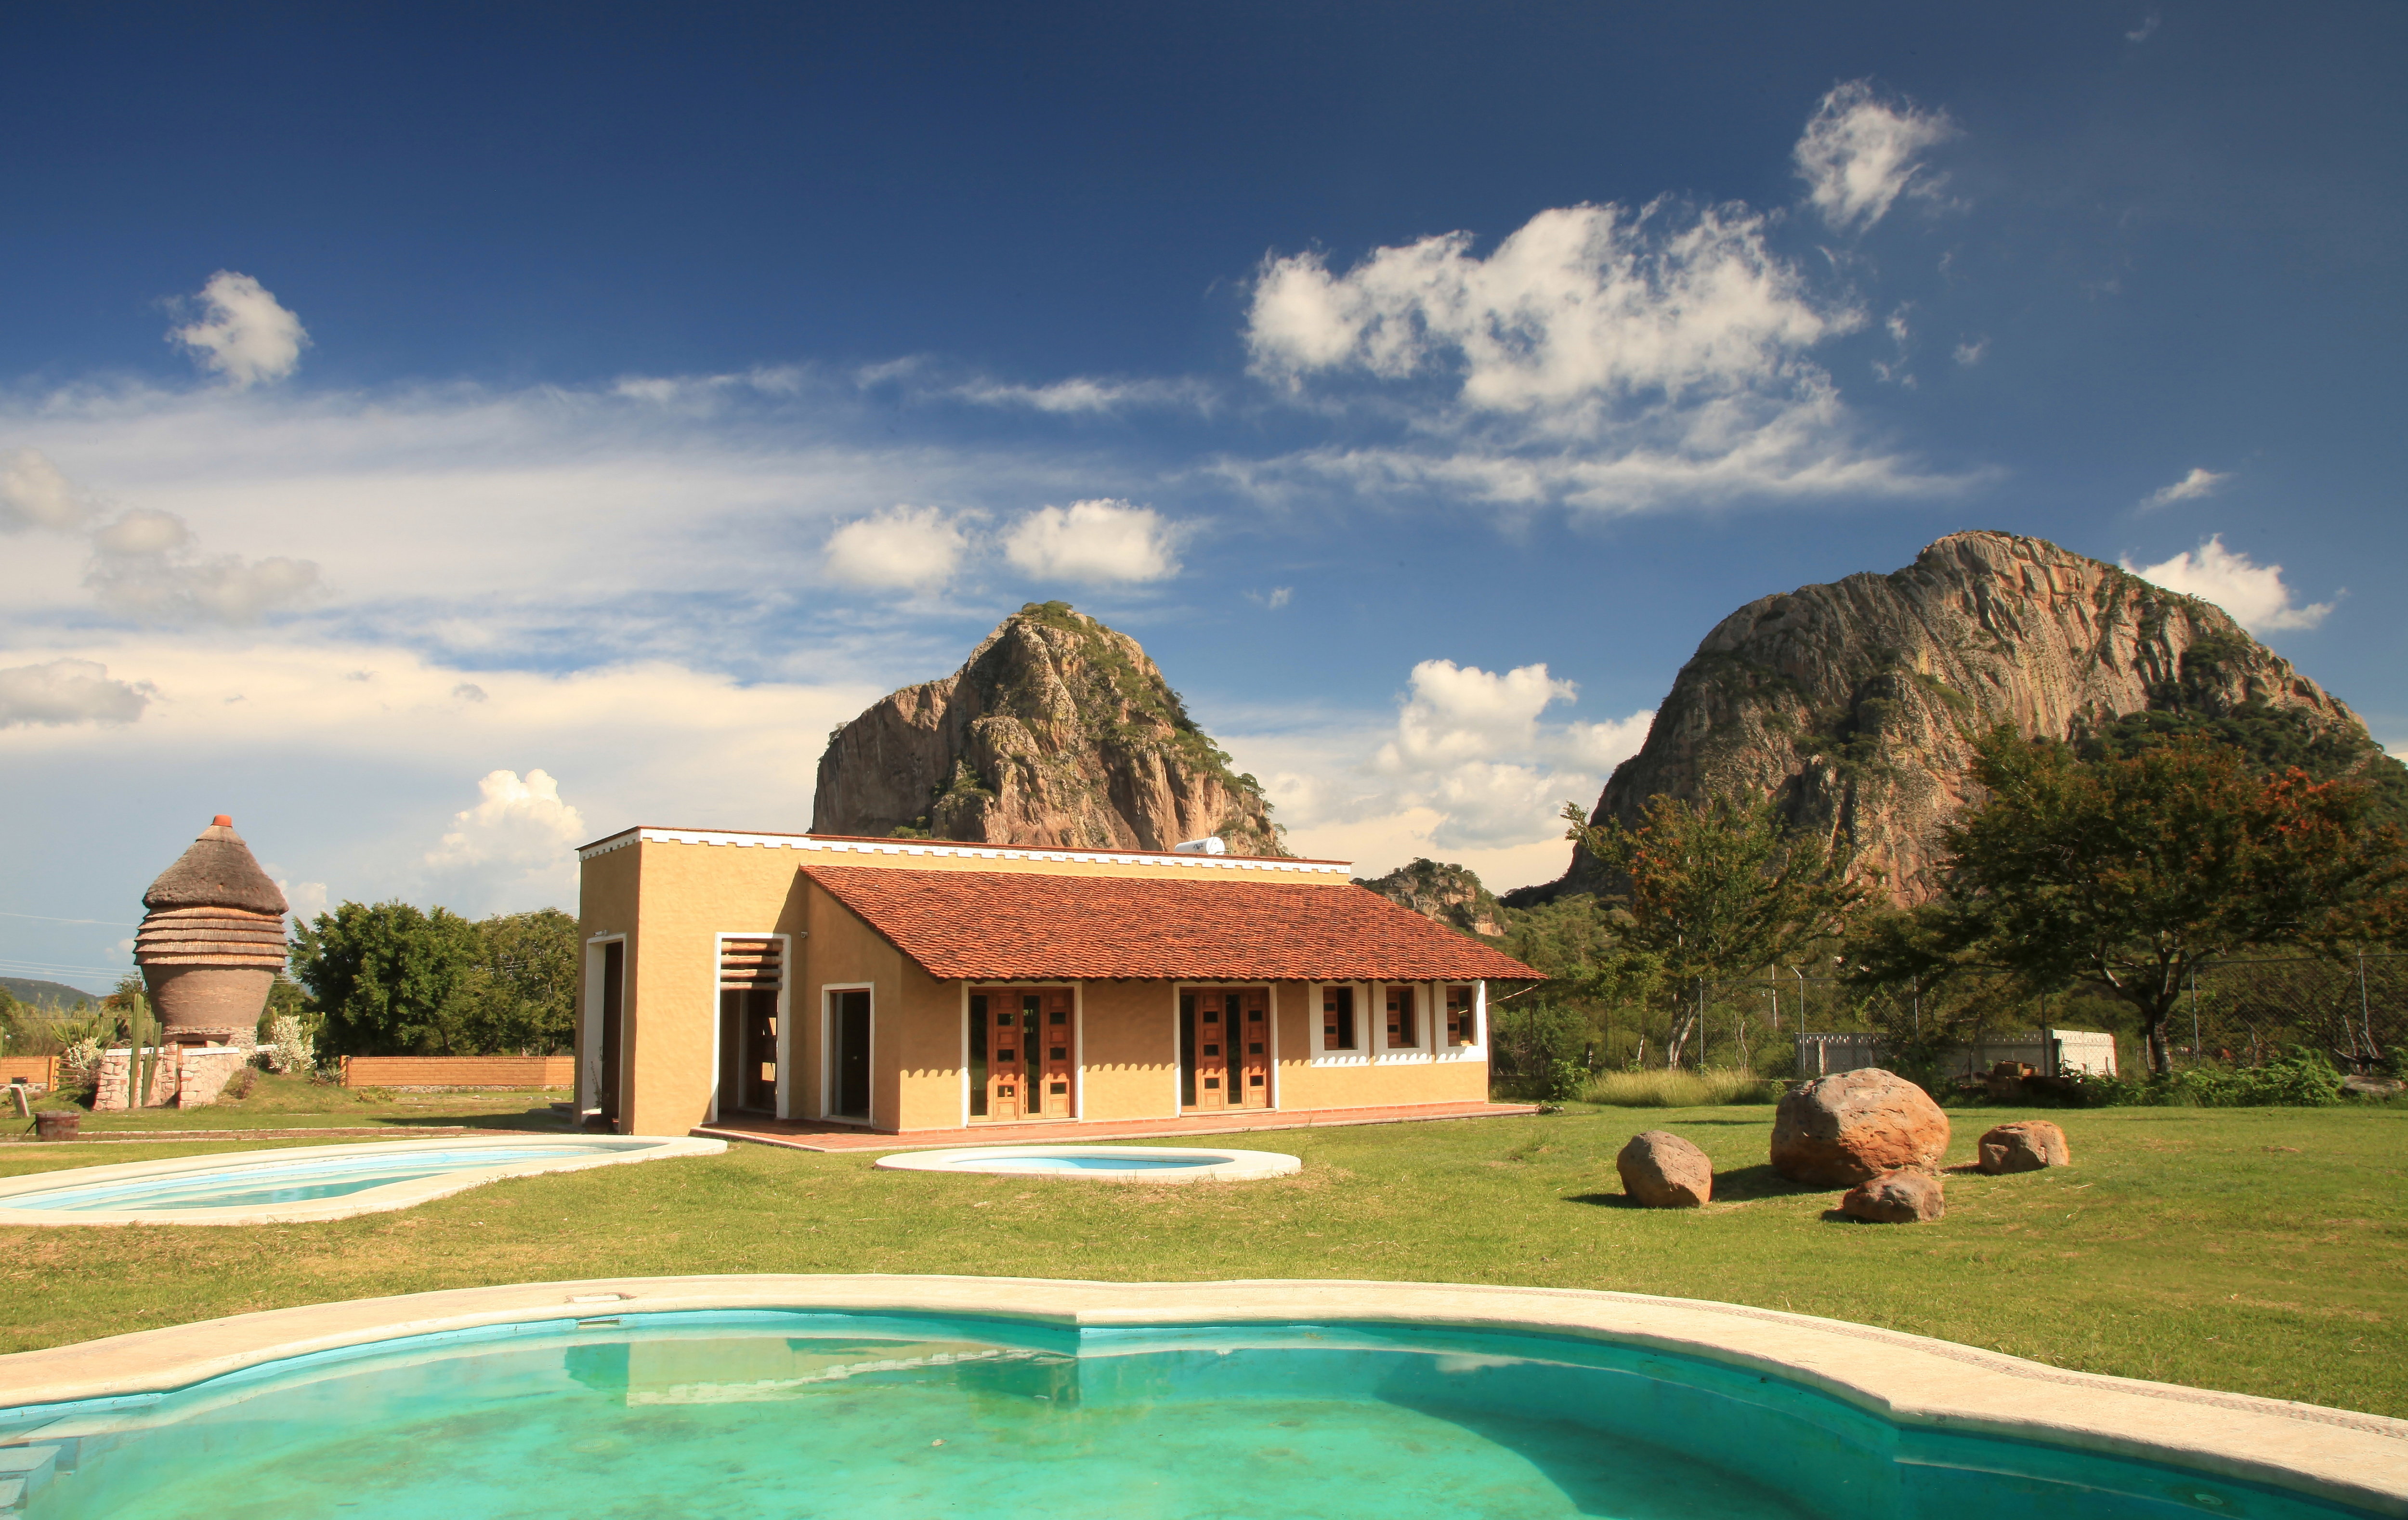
(811, 1135)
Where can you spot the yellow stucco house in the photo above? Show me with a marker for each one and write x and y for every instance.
(904, 985)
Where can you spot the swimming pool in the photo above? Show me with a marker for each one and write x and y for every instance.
(732, 1412)
(1107, 1163)
(311, 1182)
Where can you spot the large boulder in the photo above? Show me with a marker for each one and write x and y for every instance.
(1842, 1128)
(1895, 1197)
(1661, 1170)
(2027, 1146)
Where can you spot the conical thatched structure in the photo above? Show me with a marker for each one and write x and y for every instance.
(212, 941)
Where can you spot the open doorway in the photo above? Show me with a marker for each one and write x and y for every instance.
(752, 973)
(609, 1014)
(848, 1053)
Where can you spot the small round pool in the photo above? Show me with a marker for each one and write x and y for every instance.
(1107, 1163)
(313, 1182)
(730, 1414)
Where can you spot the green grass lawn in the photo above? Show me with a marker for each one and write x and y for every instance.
(2257, 1250)
(275, 1102)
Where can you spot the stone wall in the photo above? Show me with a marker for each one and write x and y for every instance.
(184, 1076)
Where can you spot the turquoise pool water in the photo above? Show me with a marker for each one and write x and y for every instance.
(254, 1183)
(788, 1415)
(1092, 1163)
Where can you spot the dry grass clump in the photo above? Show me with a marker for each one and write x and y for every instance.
(1680, 1089)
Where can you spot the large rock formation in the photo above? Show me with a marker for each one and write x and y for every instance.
(1451, 895)
(1057, 730)
(1855, 706)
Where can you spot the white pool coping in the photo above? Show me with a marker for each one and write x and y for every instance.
(391, 1195)
(965, 1161)
(2334, 1454)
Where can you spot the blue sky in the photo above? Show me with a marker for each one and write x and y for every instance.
(397, 403)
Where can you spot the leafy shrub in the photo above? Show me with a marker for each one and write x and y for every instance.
(2303, 1079)
(1662, 1089)
(292, 1050)
(1535, 1049)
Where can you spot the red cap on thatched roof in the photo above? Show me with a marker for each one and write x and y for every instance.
(217, 871)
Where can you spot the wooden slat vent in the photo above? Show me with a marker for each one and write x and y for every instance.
(749, 962)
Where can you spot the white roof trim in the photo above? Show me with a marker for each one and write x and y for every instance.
(964, 852)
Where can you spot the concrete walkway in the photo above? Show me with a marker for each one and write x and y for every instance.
(812, 1134)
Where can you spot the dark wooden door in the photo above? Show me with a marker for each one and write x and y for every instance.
(850, 1027)
(1249, 1045)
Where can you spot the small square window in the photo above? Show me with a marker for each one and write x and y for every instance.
(1253, 1081)
(1060, 1087)
(1061, 1052)
(1211, 1082)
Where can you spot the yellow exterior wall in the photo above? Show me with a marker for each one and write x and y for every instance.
(1389, 1080)
(673, 899)
(1130, 1034)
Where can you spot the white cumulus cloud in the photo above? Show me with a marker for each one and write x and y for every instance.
(33, 494)
(66, 691)
(2199, 483)
(1101, 541)
(2254, 593)
(1456, 713)
(1582, 305)
(1600, 357)
(900, 548)
(243, 332)
(1860, 153)
(520, 834)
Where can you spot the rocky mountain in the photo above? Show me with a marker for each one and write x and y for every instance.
(1057, 730)
(1451, 895)
(1853, 706)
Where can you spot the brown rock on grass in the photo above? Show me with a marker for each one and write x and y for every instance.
(1895, 1197)
(2025, 1146)
(1845, 1127)
(1661, 1170)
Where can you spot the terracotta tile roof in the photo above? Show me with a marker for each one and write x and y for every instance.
(964, 925)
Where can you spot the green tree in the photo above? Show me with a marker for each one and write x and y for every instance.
(519, 995)
(388, 979)
(2130, 871)
(1713, 889)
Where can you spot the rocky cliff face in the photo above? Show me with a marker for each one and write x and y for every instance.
(1451, 895)
(1853, 706)
(1056, 731)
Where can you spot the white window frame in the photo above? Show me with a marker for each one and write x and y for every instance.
(827, 1049)
(1361, 1052)
(1388, 1054)
(1478, 1049)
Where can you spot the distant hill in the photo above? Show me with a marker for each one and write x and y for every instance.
(1451, 895)
(46, 993)
(1057, 731)
(1854, 706)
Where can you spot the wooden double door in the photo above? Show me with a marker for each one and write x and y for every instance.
(1024, 1053)
(1224, 1044)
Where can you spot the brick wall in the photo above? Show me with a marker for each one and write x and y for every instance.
(459, 1071)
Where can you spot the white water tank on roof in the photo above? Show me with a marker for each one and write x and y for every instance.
(1201, 847)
